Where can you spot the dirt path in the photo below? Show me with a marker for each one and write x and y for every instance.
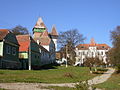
(38, 86)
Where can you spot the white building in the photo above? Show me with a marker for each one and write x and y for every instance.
(91, 50)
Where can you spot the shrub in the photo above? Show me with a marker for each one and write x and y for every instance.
(118, 68)
(68, 75)
(84, 86)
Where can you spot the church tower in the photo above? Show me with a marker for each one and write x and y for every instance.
(54, 36)
(39, 28)
(92, 41)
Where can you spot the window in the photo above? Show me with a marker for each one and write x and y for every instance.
(8, 49)
(87, 53)
(13, 51)
(82, 46)
(102, 53)
(79, 53)
(83, 53)
(103, 47)
(92, 53)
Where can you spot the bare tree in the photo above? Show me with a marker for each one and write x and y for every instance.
(68, 40)
(19, 30)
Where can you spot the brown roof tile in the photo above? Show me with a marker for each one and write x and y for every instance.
(40, 23)
(3, 33)
(54, 31)
(93, 44)
(44, 39)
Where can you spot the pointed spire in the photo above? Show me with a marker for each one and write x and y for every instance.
(92, 41)
(54, 31)
(40, 23)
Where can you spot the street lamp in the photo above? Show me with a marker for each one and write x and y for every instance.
(29, 60)
(66, 56)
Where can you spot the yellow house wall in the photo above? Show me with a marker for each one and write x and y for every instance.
(23, 55)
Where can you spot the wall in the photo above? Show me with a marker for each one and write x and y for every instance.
(91, 52)
(10, 60)
(1, 48)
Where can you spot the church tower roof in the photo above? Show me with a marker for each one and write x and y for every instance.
(92, 41)
(54, 31)
(40, 23)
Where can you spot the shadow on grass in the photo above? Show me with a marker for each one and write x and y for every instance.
(48, 66)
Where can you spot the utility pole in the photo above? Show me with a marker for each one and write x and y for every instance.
(29, 60)
(66, 56)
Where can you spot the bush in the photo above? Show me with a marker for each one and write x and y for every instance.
(118, 68)
(68, 75)
(84, 86)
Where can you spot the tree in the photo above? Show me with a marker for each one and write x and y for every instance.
(19, 30)
(67, 41)
(114, 53)
(93, 62)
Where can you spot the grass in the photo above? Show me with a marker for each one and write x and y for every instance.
(113, 83)
(59, 74)
(2, 89)
(59, 88)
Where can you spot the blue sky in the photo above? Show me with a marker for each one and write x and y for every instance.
(93, 18)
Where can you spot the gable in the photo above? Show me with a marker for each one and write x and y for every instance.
(10, 37)
(3, 33)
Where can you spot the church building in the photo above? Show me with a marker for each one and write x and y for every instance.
(45, 39)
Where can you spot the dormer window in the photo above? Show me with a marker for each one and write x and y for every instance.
(103, 47)
(82, 46)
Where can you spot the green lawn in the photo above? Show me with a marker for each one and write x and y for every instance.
(113, 83)
(60, 74)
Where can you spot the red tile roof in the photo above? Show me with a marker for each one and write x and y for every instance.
(93, 44)
(24, 41)
(3, 33)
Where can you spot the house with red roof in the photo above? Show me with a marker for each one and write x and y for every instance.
(39, 55)
(27, 43)
(9, 48)
(91, 50)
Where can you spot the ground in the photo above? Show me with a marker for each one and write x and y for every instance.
(38, 86)
(57, 74)
(112, 83)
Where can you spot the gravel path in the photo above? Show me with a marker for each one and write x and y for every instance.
(100, 79)
(38, 86)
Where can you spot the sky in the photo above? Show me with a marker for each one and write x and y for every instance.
(93, 18)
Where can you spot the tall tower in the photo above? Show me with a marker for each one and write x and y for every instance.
(39, 28)
(92, 41)
(54, 36)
